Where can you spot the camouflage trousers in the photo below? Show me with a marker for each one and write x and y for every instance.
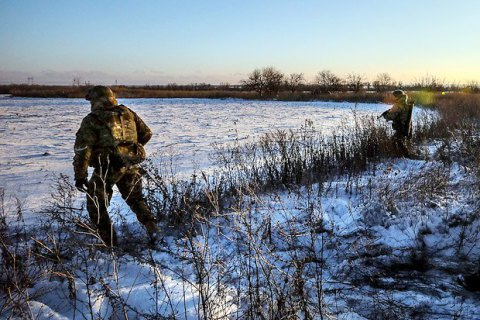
(100, 190)
(402, 144)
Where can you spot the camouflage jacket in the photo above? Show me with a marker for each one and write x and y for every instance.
(401, 115)
(102, 132)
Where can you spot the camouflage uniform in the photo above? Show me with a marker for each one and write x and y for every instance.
(111, 139)
(401, 116)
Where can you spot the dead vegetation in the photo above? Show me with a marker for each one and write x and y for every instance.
(234, 236)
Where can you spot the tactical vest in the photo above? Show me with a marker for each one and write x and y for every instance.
(120, 140)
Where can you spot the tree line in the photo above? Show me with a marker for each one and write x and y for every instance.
(264, 83)
(269, 81)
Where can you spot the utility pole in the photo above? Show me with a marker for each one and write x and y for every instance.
(30, 81)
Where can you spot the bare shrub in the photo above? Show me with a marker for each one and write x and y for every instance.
(244, 252)
(18, 268)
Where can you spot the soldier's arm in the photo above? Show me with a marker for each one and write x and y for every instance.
(390, 115)
(143, 131)
(84, 143)
(394, 112)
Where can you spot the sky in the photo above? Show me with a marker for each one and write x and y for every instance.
(222, 41)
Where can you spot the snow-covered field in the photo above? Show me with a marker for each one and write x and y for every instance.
(385, 245)
(37, 135)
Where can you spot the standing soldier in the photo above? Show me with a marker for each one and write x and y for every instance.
(111, 139)
(401, 116)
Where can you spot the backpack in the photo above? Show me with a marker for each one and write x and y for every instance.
(122, 144)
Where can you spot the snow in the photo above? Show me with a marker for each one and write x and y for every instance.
(36, 145)
(37, 135)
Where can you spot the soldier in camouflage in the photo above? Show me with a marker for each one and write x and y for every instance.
(401, 116)
(111, 139)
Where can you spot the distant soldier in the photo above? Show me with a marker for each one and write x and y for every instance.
(111, 139)
(401, 116)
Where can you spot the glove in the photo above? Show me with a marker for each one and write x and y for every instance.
(81, 184)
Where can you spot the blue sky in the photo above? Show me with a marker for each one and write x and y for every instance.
(215, 41)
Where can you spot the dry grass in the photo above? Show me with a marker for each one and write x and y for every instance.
(218, 92)
(280, 160)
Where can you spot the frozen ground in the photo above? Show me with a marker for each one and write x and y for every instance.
(386, 245)
(37, 135)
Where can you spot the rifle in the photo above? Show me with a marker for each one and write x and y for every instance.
(382, 115)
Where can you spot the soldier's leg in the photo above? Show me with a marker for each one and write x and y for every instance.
(98, 200)
(400, 144)
(130, 187)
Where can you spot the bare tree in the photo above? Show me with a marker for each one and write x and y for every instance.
(328, 81)
(266, 81)
(472, 87)
(355, 82)
(294, 81)
(430, 83)
(273, 80)
(255, 82)
(383, 82)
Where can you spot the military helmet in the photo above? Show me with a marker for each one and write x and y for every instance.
(399, 93)
(101, 94)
